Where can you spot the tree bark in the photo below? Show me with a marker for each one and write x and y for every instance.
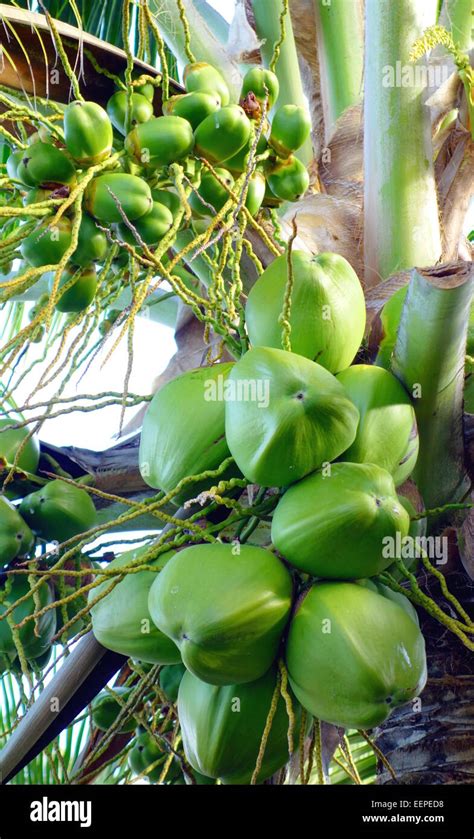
(431, 741)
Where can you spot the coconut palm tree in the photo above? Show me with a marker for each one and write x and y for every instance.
(390, 91)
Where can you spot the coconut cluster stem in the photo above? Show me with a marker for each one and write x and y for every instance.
(269, 28)
(340, 34)
(429, 361)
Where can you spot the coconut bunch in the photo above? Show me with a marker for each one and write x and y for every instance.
(326, 443)
(34, 517)
(133, 199)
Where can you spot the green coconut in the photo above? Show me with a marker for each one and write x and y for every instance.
(151, 227)
(395, 596)
(58, 511)
(170, 680)
(106, 708)
(238, 162)
(288, 179)
(47, 244)
(121, 620)
(16, 538)
(225, 609)
(387, 434)
(194, 107)
(291, 128)
(81, 293)
(327, 315)
(13, 162)
(354, 655)
(88, 132)
(285, 416)
(222, 728)
(35, 636)
(222, 134)
(255, 192)
(141, 110)
(105, 193)
(148, 756)
(183, 431)
(32, 664)
(211, 196)
(160, 141)
(92, 243)
(335, 523)
(263, 84)
(42, 164)
(12, 438)
(169, 199)
(200, 76)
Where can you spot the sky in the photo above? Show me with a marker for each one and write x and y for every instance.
(225, 7)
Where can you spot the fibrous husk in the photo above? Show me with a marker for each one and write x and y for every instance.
(454, 155)
(341, 163)
(327, 223)
(410, 490)
(331, 739)
(444, 99)
(303, 18)
(455, 178)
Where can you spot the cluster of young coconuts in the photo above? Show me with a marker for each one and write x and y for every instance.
(52, 514)
(331, 442)
(137, 188)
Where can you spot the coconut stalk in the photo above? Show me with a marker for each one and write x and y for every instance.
(401, 211)
(198, 265)
(340, 35)
(82, 676)
(456, 16)
(433, 742)
(204, 44)
(429, 360)
(267, 23)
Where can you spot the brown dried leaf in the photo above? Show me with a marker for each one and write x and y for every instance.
(456, 188)
(341, 164)
(410, 490)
